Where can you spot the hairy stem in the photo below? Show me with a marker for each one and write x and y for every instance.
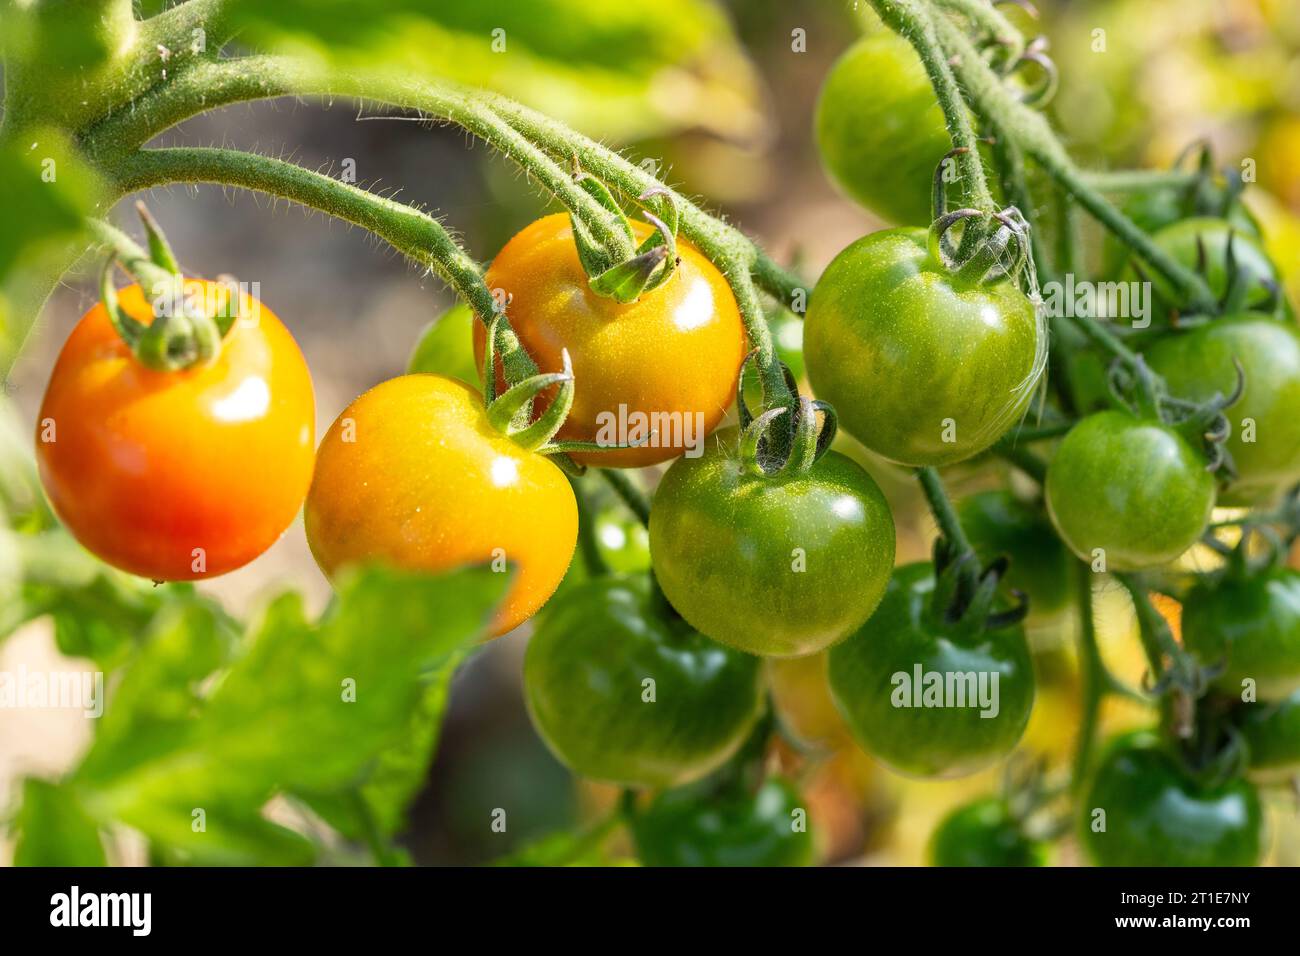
(944, 513)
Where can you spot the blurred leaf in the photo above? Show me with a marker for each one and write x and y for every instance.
(617, 70)
(446, 346)
(53, 830)
(305, 707)
(398, 773)
(46, 192)
(567, 848)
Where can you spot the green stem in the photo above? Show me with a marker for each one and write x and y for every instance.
(592, 559)
(1153, 630)
(626, 489)
(984, 15)
(413, 233)
(1032, 133)
(944, 513)
(133, 258)
(1093, 677)
(911, 19)
(1137, 180)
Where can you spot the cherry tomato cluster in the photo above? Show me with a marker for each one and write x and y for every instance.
(177, 460)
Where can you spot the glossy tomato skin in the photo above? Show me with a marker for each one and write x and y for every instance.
(867, 674)
(1180, 241)
(675, 351)
(1199, 362)
(689, 827)
(1000, 524)
(584, 681)
(1159, 814)
(1130, 486)
(910, 359)
(1272, 731)
(1251, 622)
(777, 567)
(413, 474)
(984, 833)
(145, 467)
(879, 129)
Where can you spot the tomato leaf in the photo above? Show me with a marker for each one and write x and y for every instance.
(53, 829)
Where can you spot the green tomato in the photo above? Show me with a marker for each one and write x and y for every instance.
(879, 128)
(1251, 622)
(1153, 210)
(781, 566)
(1272, 730)
(586, 681)
(1265, 440)
(1131, 487)
(623, 542)
(1180, 241)
(1156, 813)
(998, 523)
(446, 346)
(927, 697)
(984, 833)
(693, 827)
(921, 368)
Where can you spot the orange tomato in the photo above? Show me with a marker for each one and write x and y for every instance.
(184, 475)
(413, 474)
(667, 361)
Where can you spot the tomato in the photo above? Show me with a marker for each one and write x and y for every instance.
(998, 523)
(585, 680)
(923, 369)
(734, 827)
(1157, 813)
(778, 566)
(623, 542)
(413, 474)
(1272, 731)
(1131, 487)
(885, 676)
(1154, 209)
(668, 361)
(446, 346)
(183, 475)
(1180, 241)
(1265, 440)
(1250, 621)
(984, 833)
(879, 128)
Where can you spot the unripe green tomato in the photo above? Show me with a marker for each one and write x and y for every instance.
(1265, 439)
(778, 566)
(446, 346)
(623, 542)
(1251, 623)
(998, 523)
(1155, 812)
(1133, 488)
(874, 680)
(922, 367)
(623, 692)
(1272, 731)
(984, 833)
(1180, 240)
(691, 827)
(1153, 210)
(879, 128)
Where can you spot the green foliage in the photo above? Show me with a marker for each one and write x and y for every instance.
(603, 66)
(202, 730)
(53, 829)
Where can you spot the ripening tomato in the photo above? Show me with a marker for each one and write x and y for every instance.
(879, 128)
(183, 475)
(1265, 439)
(413, 474)
(667, 362)
(923, 368)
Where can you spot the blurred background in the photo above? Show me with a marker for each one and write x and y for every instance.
(719, 96)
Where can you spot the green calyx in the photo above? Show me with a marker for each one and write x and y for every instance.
(998, 253)
(963, 602)
(1136, 387)
(612, 273)
(186, 330)
(771, 451)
